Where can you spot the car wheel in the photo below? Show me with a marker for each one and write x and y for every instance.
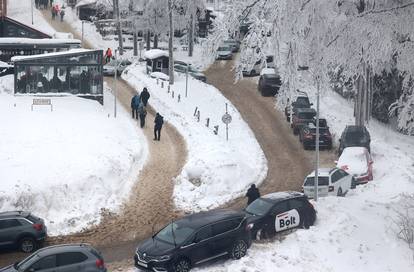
(340, 192)
(329, 147)
(239, 250)
(295, 131)
(182, 265)
(305, 146)
(27, 245)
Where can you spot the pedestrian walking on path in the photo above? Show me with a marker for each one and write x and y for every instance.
(53, 12)
(159, 121)
(62, 14)
(142, 111)
(134, 106)
(108, 55)
(252, 194)
(145, 95)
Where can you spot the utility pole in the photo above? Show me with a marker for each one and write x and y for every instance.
(170, 44)
(191, 36)
(118, 26)
(32, 11)
(317, 140)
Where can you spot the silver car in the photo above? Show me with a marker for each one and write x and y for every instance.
(333, 181)
(224, 52)
(61, 258)
(109, 68)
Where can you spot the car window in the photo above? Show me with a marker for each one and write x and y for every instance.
(343, 173)
(306, 115)
(203, 234)
(259, 207)
(9, 223)
(175, 233)
(336, 176)
(69, 258)
(280, 208)
(296, 204)
(322, 181)
(225, 226)
(45, 263)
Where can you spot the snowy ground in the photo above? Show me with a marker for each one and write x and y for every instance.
(66, 165)
(217, 170)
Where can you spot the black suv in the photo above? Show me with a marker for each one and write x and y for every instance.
(307, 136)
(269, 84)
(277, 212)
(354, 136)
(301, 102)
(21, 230)
(193, 240)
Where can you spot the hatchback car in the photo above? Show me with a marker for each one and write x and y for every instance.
(109, 68)
(224, 52)
(358, 162)
(333, 181)
(21, 230)
(277, 212)
(269, 82)
(307, 136)
(193, 240)
(235, 45)
(179, 68)
(299, 102)
(61, 258)
(354, 136)
(302, 117)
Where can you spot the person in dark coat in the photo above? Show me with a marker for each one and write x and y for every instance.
(159, 121)
(252, 194)
(145, 95)
(134, 106)
(62, 14)
(142, 111)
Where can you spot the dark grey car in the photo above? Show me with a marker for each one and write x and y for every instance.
(61, 258)
(21, 230)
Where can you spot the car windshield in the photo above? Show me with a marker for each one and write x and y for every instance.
(174, 233)
(273, 79)
(302, 102)
(259, 207)
(222, 48)
(322, 181)
(321, 130)
(306, 115)
(355, 137)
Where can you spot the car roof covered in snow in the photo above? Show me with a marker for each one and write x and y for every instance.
(279, 196)
(155, 53)
(268, 71)
(85, 3)
(198, 220)
(14, 213)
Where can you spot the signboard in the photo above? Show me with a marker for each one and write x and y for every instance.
(226, 118)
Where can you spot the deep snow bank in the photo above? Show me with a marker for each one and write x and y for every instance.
(217, 170)
(68, 164)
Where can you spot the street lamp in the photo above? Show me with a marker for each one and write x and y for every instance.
(32, 10)
(82, 32)
(118, 62)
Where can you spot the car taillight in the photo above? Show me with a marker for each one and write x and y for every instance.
(249, 226)
(38, 227)
(308, 136)
(331, 189)
(100, 263)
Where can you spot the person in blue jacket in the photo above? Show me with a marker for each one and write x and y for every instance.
(134, 105)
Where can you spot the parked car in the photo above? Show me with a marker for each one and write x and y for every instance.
(307, 136)
(61, 258)
(22, 230)
(258, 67)
(191, 71)
(110, 67)
(302, 117)
(322, 122)
(224, 52)
(354, 136)
(235, 45)
(333, 181)
(193, 240)
(269, 82)
(357, 161)
(299, 102)
(277, 212)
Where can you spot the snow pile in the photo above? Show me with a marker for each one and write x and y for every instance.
(155, 53)
(67, 164)
(217, 170)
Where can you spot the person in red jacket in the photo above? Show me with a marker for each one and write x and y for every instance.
(108, 55)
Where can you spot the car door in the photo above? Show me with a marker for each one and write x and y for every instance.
(71, 261)
(300, 207)
(10, 229)
(224, 236)
(345, 180)
(199, 247)
(336, 182)
(45, 264)
(279, 215)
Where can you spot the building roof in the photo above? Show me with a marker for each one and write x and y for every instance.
(37, 41)
(155, 53)
(48, 55)
(82, 3)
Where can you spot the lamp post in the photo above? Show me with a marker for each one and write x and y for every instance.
(116, 80)
(186, 79)
(82, 32)
(32, 10)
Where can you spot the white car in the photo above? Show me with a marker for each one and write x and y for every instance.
(225, 52)
(358, 162)
(333, 181)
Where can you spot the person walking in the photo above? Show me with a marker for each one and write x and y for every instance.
(62, 14)
(142, 111)
(53, 12)
(134, 106)
(252, 194)
(108, 55)
(51, 3)
(159, 121)
(145, 95)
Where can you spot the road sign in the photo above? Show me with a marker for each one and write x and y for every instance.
(226, 118)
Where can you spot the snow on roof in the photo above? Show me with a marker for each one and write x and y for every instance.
(268, 71)
(36, 41)
(82, 3)
(5, 65)
(69, 52)
(155, 53)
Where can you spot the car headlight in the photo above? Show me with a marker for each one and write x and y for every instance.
(162, 258)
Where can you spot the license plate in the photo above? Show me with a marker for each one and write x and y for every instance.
(142, 264)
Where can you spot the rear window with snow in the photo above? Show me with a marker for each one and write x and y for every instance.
(322, 181)
(306, 115)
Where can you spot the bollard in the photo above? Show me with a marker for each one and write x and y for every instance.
(208, 122)
(157, 81)
(216, 129)
(179, 98)
(162, 84)
(172, 94)
(198, 116)
(169, 86)
(195, 112)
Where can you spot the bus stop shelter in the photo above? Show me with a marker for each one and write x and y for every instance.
(74, 72)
